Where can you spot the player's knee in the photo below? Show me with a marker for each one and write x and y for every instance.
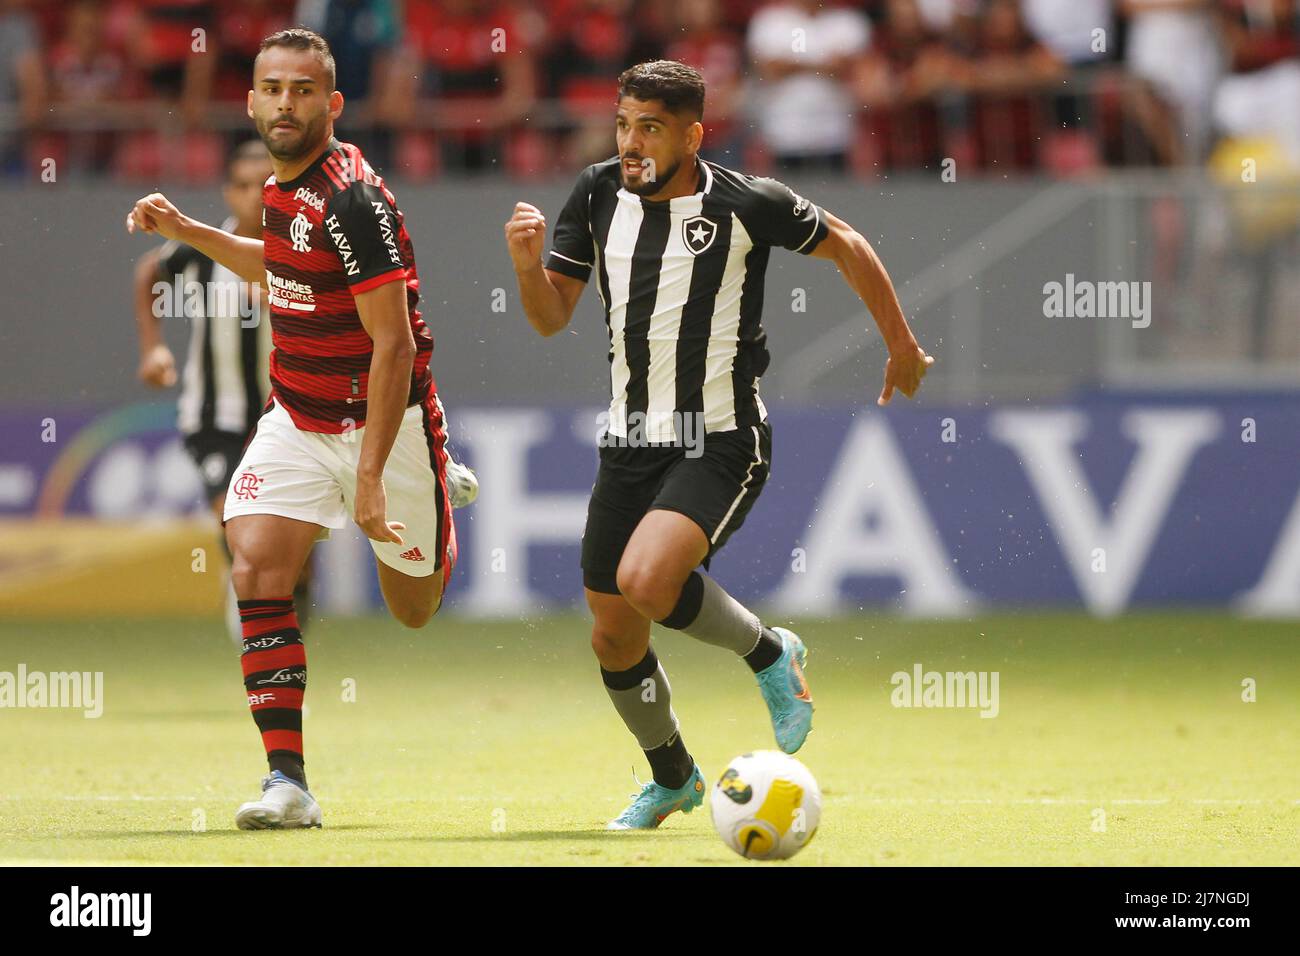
(415, 615)
(412, 601)
(646, 590)
(615, 652)
(603, 644)
(253, 580)
(242, 576)
(413, 619)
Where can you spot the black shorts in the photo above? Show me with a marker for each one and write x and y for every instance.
(715, 490)
(217, 455)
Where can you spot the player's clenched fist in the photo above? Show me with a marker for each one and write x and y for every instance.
(158, 367)
(155, 213)
(526, 236)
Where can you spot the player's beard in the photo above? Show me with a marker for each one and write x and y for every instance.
(310, 136)
(654, 185)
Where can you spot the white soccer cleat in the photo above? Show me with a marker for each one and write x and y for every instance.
(462, 483)
(285, 805)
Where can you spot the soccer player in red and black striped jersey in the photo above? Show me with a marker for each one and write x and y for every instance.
(354, 425)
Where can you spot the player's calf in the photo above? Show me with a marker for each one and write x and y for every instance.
(638, 688)
(274, 663)
(776, 656)
(708, 613)
(643, 698)
(267, 556)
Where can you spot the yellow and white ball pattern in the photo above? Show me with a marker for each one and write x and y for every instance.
(766, 805)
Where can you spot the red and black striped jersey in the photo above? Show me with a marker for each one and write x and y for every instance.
(330, 234)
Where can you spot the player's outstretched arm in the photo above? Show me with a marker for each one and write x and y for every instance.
(155, 214)
(548, 297)
(866, 275)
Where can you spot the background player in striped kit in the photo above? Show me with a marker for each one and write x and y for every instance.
(355, 424)
(679, 247)
(224, 382)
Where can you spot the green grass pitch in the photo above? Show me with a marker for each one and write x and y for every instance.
(1117, 742)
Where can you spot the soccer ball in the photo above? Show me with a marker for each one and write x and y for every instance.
(766, 805)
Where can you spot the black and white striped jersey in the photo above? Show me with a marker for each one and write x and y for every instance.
(225, 380)
(682, 285)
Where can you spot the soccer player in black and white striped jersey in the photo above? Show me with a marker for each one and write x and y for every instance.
(678, 247)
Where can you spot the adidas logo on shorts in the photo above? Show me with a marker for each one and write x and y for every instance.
(412, 555)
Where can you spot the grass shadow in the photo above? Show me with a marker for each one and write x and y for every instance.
(215, 832)
(545, 836)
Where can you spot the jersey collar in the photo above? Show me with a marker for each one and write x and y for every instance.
(706, 174)
(316, 164)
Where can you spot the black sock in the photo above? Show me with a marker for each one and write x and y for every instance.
(766, 652)
(670, 763)
(288, 764)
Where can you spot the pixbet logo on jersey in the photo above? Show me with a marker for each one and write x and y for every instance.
(310, 198)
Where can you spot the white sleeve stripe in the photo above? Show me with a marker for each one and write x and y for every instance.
(567, 259)
(817, 221)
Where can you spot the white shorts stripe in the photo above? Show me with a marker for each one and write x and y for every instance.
(744, 487)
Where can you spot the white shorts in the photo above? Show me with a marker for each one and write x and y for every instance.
(312, 476)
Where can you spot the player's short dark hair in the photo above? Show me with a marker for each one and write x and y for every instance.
(248, 149)
(678, 86)
(300, 38)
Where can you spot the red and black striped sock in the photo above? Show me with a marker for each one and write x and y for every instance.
(275, 677)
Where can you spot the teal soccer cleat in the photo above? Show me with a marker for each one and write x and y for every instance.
(654, 803)
(785, 691)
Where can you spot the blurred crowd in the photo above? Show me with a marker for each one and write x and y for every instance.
(150, 88)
